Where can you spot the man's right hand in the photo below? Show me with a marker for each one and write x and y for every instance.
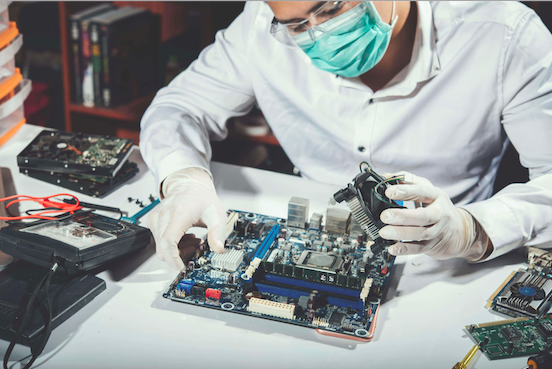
(190, 200)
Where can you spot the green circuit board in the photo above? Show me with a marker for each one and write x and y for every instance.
(514, 337)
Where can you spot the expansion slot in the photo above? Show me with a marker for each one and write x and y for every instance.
(266, 307)
(332, 299)
(268, 241)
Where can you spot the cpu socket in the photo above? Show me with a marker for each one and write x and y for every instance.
(320, 261)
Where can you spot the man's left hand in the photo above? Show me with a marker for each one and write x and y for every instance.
(438, 229)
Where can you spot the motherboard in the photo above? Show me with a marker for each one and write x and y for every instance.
(292, 271)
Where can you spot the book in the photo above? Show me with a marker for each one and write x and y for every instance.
(123, 58)
(79, 45)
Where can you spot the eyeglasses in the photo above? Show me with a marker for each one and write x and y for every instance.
(284, 32)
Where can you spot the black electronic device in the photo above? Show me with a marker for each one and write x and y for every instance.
(365, 197)
(88, 185)
(68, 294)
(75, 153)
(78, 243)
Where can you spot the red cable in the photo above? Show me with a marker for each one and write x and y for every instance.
(44, 201)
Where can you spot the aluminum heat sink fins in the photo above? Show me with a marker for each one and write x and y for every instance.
(230, 260)
(358, 212)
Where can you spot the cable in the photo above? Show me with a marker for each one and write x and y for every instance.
(26, 316)
(50, 206)
(376, 189)
(368, 167)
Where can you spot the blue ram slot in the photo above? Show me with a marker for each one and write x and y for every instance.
(335, 301)
(312, 285)
(265, 245)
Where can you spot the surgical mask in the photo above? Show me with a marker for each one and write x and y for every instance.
(351, 43)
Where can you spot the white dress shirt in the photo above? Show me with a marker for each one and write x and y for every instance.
(480, 74)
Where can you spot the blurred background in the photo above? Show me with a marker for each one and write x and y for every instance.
(54, 58)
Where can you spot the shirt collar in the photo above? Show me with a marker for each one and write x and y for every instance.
(424, 63)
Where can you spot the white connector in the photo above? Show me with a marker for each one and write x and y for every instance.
(271, 308)
(231, 222)
(251, 268)
(366, 289)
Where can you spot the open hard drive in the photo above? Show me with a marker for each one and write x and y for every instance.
(78, 243)
(75, 153)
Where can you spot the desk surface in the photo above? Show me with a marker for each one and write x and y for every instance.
(131, 326)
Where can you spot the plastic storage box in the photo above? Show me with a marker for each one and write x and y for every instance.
(13, 88)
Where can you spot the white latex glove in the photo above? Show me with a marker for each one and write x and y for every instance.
(438, 229)
(190, 200)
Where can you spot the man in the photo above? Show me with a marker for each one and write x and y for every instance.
(434, 89)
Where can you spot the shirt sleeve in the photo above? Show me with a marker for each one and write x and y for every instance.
(522, 213)
(194, 107)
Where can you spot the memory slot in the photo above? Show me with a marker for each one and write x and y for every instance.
(312, 285)
(268, 241)
(344, 302)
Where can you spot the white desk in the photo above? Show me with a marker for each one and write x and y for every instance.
(131, 326)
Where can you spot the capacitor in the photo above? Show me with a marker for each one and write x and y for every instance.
(319, 248)
(354, 245)
(341, 252)
(253, 226)
(283, 233)
(360, 240)
(324, 237)
(325, 249)
(281, 242)
(230, 278)
(191, 265)
(340, 241)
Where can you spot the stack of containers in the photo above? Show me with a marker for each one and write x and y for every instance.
(13, 88)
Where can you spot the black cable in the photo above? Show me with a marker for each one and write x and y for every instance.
(27, 315)
(43, 209)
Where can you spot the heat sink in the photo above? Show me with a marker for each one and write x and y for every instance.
(358, 212)
(230, 260)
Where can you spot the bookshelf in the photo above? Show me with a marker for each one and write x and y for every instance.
(124, 120)
(171, 16)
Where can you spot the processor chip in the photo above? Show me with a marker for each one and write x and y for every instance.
(319, 261)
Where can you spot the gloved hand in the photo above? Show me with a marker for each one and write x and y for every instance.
(190, 200)
(438, 229)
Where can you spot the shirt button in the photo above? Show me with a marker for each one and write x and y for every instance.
(361, 148)
(370, 101)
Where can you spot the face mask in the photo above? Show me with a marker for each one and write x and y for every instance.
(350, 44)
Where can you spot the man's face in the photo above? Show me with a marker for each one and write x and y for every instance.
(297, 11)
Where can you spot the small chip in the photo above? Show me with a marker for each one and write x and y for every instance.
(337, 318)
(493, 349)
(545, 328)
(511, 334)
